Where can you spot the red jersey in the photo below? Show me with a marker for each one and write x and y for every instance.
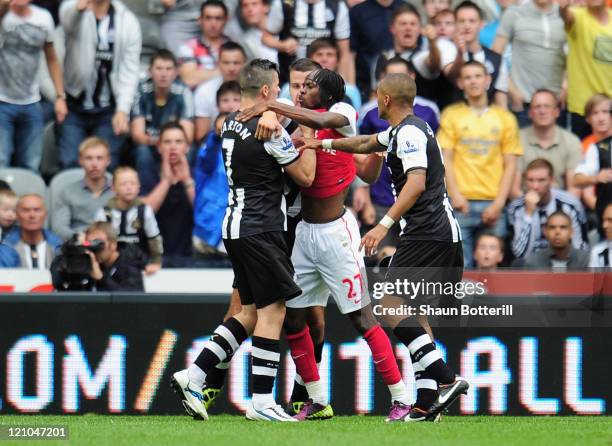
(335, 169)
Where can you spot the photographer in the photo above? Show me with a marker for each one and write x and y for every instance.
(96, 264)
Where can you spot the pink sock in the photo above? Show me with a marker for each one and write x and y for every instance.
(382, 354)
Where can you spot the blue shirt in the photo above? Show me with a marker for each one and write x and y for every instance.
(8, 257)
(211, 191)
(381, 191)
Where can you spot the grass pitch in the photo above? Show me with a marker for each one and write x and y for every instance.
(229, 430)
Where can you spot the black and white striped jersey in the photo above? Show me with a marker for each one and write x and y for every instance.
(527, 230)
(601, 255)
(412, 145)
(254, 169)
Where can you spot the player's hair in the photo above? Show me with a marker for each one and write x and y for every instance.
(319, 44)
(540, 163)
(217, 3)
(163, 54)
(475, 63)
(559, 214)
(104, 227)
(331, 86)
(228, 87)
(546, 91)
(468, 4)
(172, 125)
(232, 46)
(7, 194)
(593, 102)
(304, 65)
(502, 244)
(256, 74)
(400, 87)
(441, 14)
(123, 169)
(94, 141)
(405, 8)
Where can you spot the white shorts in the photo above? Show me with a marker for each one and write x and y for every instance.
(327, 260)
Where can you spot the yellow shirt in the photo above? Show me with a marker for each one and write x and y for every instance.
(589, 61)
(479, 144)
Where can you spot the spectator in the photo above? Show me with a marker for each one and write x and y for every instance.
(307, 20)
(211, 191)
(325, 53)
(172, 198)
(373, 201)
(481, 145)
(598, 114)
(247, 30)
(444, 22)
(535, 31)
(228, 97)
(160, 99)
(78, 202)
(545, 139)
(489, 30)
(560, 253)
(430, 57)
(433, 7)
(489, 251)
(179, 21)
(469, 20)
(199, 56)
(231, 60)
(8, 215)
(298, 71)
(370, 22)
(26, 32)
(589, 63)
(133, 221)
(110, 269)
(102, 63)
(8, 257)
(601, 254)
(527, 215)
(35, 245)
(596, 170)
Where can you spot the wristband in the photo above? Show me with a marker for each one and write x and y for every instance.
(387, 222)
(327, 144)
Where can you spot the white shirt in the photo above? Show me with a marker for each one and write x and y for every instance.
(205, 98)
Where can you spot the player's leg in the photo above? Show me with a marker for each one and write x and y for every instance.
(215, 379)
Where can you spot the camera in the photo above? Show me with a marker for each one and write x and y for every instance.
(70, 270)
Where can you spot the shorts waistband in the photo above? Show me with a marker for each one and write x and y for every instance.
(325, 225)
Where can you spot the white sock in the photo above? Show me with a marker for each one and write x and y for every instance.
(316, 392)
(263, 401)
(399, 392)
(196, 375)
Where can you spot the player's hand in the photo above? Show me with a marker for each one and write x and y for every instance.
(152, 268)
(460, 204)
(532, 198)
(251, 112)
(491, 214)
(302, 143)
(372, 239)
(120, 123)
(290, 46)
(61, 110)
(268, 126)
(430, 32)
(604, 176)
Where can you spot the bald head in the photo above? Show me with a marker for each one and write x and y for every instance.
(31, 212)
(400, 88)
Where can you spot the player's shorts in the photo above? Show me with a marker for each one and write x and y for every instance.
(327, 261)
(428, 261)
(262, 268)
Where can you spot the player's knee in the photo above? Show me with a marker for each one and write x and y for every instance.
(295, 320)
(317, 330)
(363, 320)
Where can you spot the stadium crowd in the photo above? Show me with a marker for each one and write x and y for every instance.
(135, 94)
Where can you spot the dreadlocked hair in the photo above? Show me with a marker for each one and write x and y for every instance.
(331, 86)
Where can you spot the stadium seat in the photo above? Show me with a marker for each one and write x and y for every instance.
(24, 181)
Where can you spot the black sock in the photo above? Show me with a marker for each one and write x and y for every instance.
(222, 344)
(265, 360)
(318, 350)
(427, 388)
(216, 376)
(423, 351)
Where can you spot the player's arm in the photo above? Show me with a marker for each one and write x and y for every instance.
(303, 116)
(302, 171)
(368, 166)
(355, 144)
(300, 168)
